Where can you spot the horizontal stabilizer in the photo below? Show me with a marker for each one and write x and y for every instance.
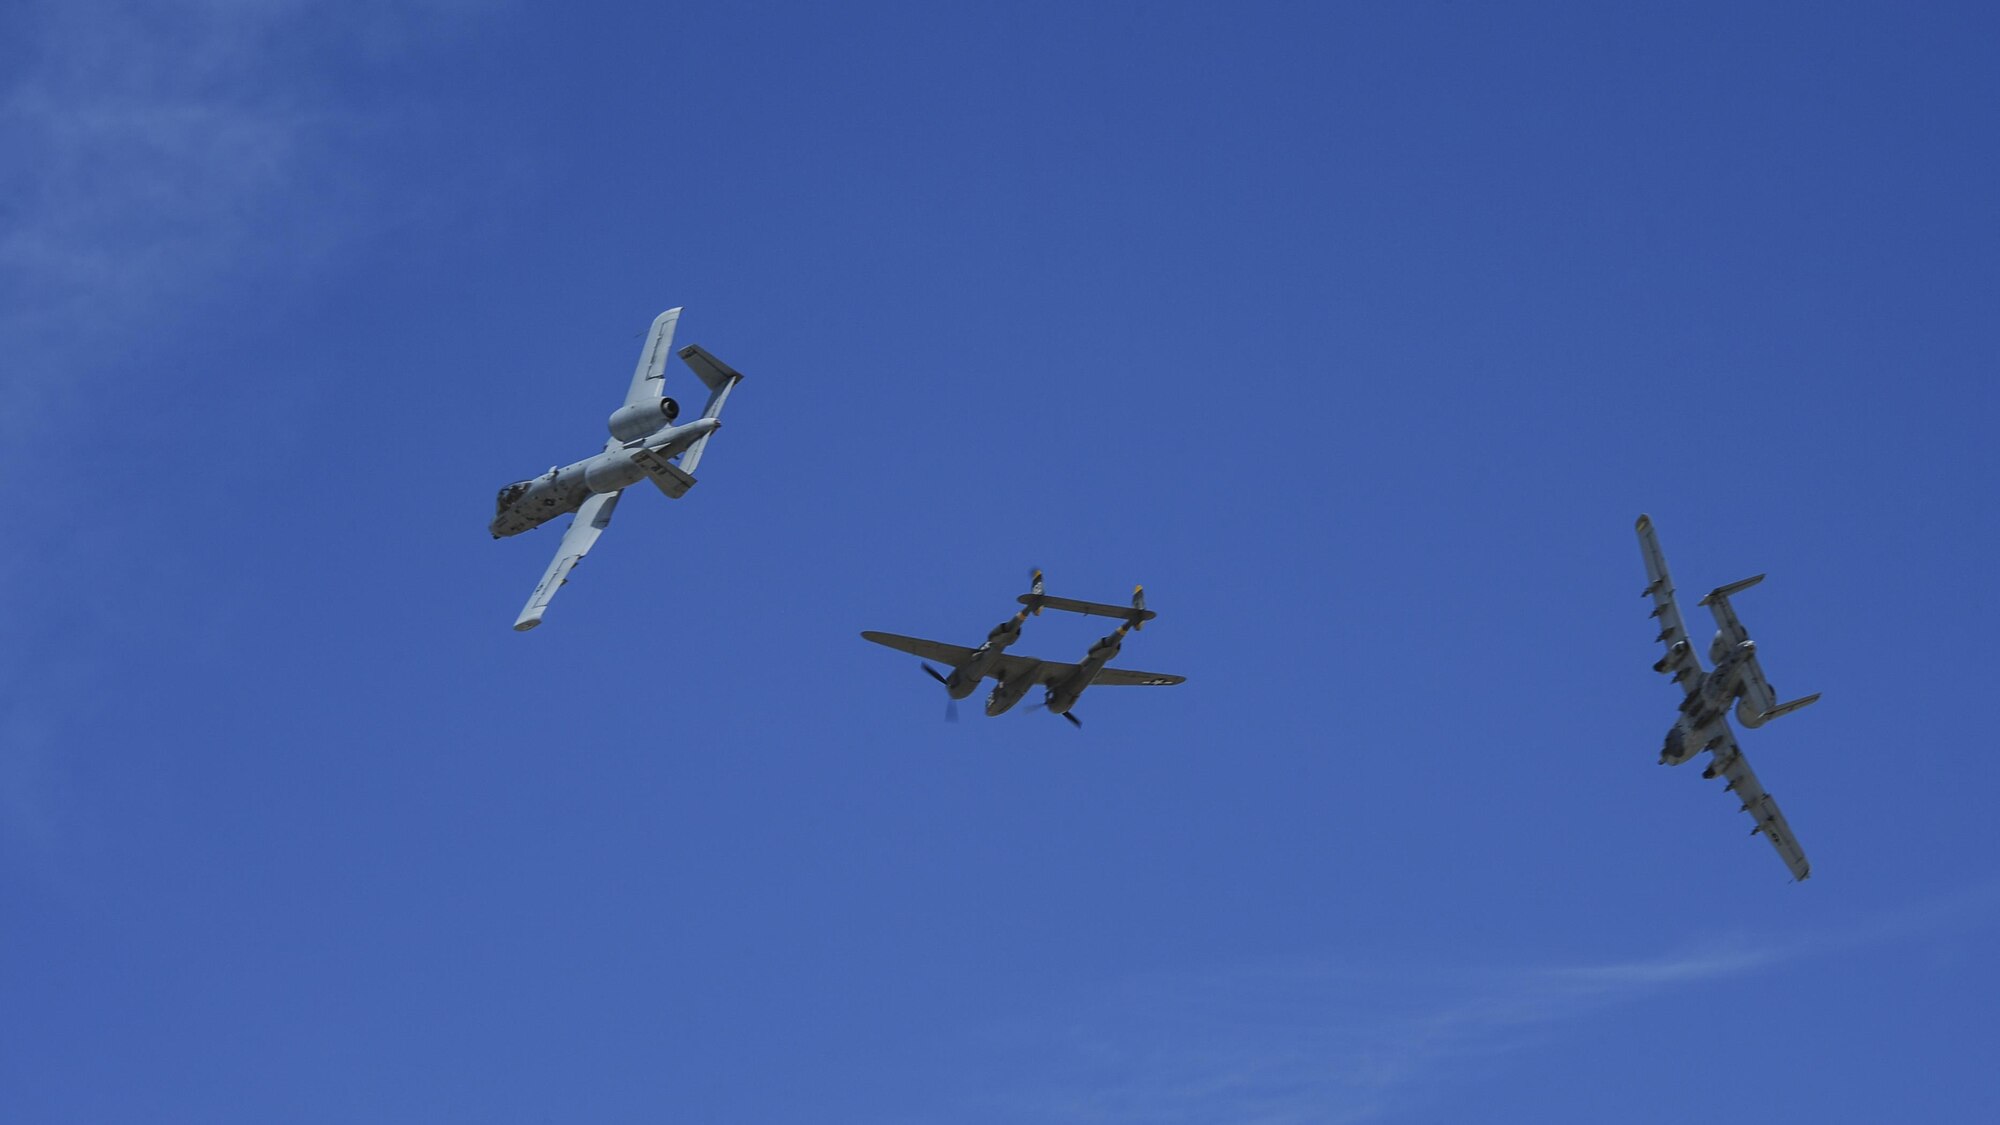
(709, 369)
(671, 478)
(1721, 592)
(1089, 609)
(1787, 708)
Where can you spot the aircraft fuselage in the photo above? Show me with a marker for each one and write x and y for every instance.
(964, 679)
(1006, 693)
(1705, 711)
(525, 505)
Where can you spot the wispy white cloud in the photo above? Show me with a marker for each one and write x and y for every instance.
(155, 150)
(144, 138)
(1307, 1044)
(147, 144)
(160, 155)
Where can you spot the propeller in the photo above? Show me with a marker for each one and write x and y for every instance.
(1043, 706)
(950, 704)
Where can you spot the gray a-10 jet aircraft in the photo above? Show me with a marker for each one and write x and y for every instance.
(644, 441)
(1737, 678)
(1016, 674)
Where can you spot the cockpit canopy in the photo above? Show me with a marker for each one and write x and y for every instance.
(510, 494)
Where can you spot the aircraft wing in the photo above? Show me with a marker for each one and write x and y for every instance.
(1008, 668)
(1730, 763)
(1120, 677)
(952, 655)
(649, 379)
(591, 520)
(1680, 660)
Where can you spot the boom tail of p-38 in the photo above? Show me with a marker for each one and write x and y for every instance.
(965, 675)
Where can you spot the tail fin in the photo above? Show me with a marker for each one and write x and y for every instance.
(720, 379)
(1139, 613)
(1788, 708)
(1722, 592)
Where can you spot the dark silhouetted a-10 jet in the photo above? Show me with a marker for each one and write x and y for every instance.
(1703, 723)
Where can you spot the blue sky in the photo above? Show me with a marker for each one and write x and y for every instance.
(1360, 335)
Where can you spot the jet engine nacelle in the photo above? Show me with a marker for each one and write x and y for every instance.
(630, 423)
(1722, 648)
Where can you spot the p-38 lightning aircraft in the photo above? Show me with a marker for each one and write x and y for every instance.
(643, 442)
(1704, 714)
(1016, 674)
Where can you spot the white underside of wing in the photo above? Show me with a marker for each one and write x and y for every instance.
(591, 520)
(1681, 660)
(1762, 807)
(649, 378)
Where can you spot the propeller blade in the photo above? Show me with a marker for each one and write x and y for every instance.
(1073, 720)
(950, 704)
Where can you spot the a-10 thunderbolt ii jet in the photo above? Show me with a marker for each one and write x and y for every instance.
(1016, 674)
(644, 442)
(1704, 714)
